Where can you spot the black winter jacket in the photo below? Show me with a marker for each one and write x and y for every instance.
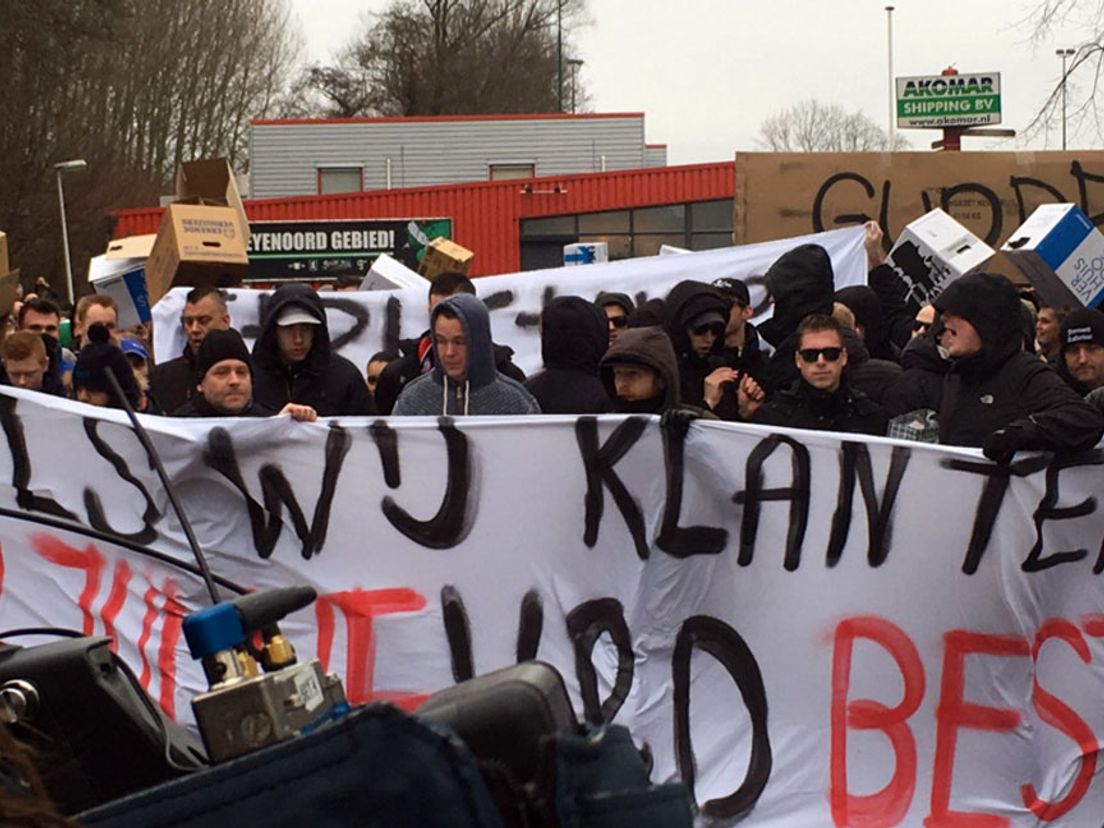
(574, 338)
(802, 406)
(329, 383)
(687, 300)
(198, 406)
(173, 383)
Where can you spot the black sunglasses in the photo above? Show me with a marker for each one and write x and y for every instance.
(619, 321)
(811, 355)
(920, 327)
(715, 327)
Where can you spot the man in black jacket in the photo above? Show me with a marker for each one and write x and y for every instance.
(574, 338)
(995, 395)
(174, 382)
(695, 318)
(417, 354)
(822, 398)
(292, 360)
(1081, 358)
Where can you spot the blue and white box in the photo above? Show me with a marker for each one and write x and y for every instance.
(124, 280)
(585, 253)
(1062, 254)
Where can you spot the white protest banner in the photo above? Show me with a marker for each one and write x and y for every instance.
(808, 630)
(362, 323)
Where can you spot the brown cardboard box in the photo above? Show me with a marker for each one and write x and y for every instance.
(132, 247)
(9, 286)
(196, 245)
(5, 264)
(441, 255)
(210, 181)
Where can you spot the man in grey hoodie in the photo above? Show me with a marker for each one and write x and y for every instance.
(464, 379)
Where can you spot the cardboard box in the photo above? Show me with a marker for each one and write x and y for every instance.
(585, 253)
(196, 245)
(132, 247)
(9, 290)
(5, 263)
(441, 255)
(387, 273)
(933, 251)
(211, 182)
(1061, 253)
(124, 280)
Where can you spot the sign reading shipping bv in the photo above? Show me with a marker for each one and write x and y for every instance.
(939, 101)
(328, 249)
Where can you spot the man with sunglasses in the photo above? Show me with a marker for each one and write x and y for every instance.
(618, 307)
(822, 398)
(695, 318)
(925, 318)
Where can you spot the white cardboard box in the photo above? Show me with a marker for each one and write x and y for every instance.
(124, 280)
(1062, 254)
(387, 273)
(933, 251)
(585, 253)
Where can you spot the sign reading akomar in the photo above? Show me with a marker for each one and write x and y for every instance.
(935, 102)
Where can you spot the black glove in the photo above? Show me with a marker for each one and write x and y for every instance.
(677, 420)
(1000, 446)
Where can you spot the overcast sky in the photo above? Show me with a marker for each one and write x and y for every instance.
(706, 73)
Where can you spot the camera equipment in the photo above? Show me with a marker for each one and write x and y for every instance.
(245, 710)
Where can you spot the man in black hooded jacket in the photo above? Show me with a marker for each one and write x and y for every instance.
(995, 395)
(574, 338)
(695, 316)
(293, 363)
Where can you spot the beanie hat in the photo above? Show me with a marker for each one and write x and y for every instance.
(220, 345)
(1083, 325)
(95, 359)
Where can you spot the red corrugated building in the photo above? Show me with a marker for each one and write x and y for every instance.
(523, 224)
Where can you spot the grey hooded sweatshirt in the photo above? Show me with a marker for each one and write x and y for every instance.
(484, 390)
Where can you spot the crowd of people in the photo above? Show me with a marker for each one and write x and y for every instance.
(985, 365)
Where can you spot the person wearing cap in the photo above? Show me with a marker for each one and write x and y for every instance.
(225, 387)
(293, 361)
(99, 357)
(1081, 362)
(695, 319)
(618, 308)
(205, 310)
(138, 357)
(995, 395)
(464, 379)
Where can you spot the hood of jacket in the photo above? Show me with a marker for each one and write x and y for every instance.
(622, 300)
(266, 350)
(687, 300)
(476, 323)
(989, 303)
(574, 334)
(800, 282)
(867, 307)
(649, 347)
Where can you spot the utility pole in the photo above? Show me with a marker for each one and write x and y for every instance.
(892, 85)
(1064, 54)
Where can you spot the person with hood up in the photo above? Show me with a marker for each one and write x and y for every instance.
(695, 318)
(800, 283)
(464, 379)
(617, 307)
(99, 356)
(995, 395)
(574, 338)
(293, 363)
(869, 321)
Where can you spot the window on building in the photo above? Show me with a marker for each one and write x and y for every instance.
(613, 221)
(507, 172)
(711, 215)
(340, 180)
(670, 218)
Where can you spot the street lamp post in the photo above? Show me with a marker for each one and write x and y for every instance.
(574, 63)
(59, 168)
(1064, 54)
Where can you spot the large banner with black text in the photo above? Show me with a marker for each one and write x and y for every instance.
(809, 629)
(362, 323)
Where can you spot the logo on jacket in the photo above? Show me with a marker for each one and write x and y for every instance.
(986, 399)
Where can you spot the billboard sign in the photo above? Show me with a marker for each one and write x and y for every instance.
(939, 101)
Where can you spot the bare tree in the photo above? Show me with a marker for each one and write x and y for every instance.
(812, 126)
(133, 88)
(444, 57)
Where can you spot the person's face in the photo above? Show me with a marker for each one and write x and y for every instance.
(294, 341)
(452, 347)
(636, 383)
(26, 373)
(87, 395)
(617, 320)
(1085, 361)
(103, 315)
(923, 320)
(41, 323)
(821, 372)
(199, 318)
(1047, 328)
(140, 368)
(228, 386)
(703, 337)
(375, 368)
(960, 338)
(738, 316)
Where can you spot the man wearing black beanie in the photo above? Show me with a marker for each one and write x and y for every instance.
(1082, 350)
(98, 356)
(225, 387)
